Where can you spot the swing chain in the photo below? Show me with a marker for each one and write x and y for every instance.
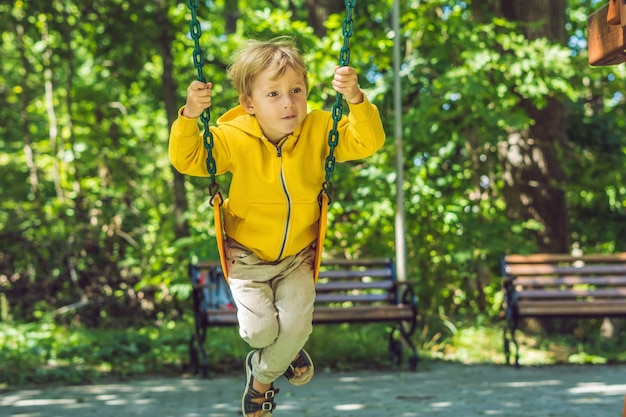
(337, 110)
(195, 31)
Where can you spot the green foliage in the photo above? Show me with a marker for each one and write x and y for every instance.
(38, 353)
(45, 352)
(349, 346)
(479, 341)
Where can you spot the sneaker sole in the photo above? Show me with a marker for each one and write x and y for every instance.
(248, 366)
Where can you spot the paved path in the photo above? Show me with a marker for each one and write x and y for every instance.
(436, 389)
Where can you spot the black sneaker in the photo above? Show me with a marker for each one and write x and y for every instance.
(247, 405)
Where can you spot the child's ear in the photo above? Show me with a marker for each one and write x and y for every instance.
(247, 105)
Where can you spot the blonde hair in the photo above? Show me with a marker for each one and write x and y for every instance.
(254, 57)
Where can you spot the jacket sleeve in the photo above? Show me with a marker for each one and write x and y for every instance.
(361, 134)
(186, 149)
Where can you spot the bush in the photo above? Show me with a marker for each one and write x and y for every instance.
(44, 352)
(35, 353)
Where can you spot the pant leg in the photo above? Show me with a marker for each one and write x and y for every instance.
(275, 306)
(249, 280)
(294, 292)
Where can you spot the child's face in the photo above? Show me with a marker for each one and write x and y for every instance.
(279, 104)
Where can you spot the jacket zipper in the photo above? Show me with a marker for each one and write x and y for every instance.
(279, 154)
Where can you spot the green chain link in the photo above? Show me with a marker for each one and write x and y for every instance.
(198, 61)
(337, 110)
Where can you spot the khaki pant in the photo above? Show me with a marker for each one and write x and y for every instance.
(274, 306)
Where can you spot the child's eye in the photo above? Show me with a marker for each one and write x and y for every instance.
(296, 90)
(272, 94)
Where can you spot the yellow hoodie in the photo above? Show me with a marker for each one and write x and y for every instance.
(272, 207)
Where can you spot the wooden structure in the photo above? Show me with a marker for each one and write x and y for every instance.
(347, 291)
(561, 286)
(606, 37)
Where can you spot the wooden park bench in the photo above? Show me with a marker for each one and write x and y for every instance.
(561, 286)
(348, 291)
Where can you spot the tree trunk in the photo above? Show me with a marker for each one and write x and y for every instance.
(318, 12)
(80, 201)
(181, 205)
(29, 153)
(231, 14)
(533, 172)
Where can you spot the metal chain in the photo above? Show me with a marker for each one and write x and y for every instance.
(198, 61)
(337, 110)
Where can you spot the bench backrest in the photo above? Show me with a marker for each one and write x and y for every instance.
(357, 282)
(564, 270)
(554, 284)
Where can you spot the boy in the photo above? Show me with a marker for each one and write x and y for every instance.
(276, 151)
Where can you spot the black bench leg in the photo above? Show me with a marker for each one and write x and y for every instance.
(194, 363)
(198, 359)
(509, 337)
(204, 366)
(395, 347)
(196, 345)
(516, 346)
(507, 346)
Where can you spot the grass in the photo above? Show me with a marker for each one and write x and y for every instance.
(37, 353)
(473, 344)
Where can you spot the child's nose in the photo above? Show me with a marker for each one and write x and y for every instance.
(288, 103)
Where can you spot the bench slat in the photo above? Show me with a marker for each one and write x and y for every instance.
(385, 263)
(544, 269)
(379, 313)
(221, 317)
(599, 308)
(546, 258)
(541, 281)
(352, 298)
(572, 294)
(355, 273)
(357, 286)
(335, 286)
